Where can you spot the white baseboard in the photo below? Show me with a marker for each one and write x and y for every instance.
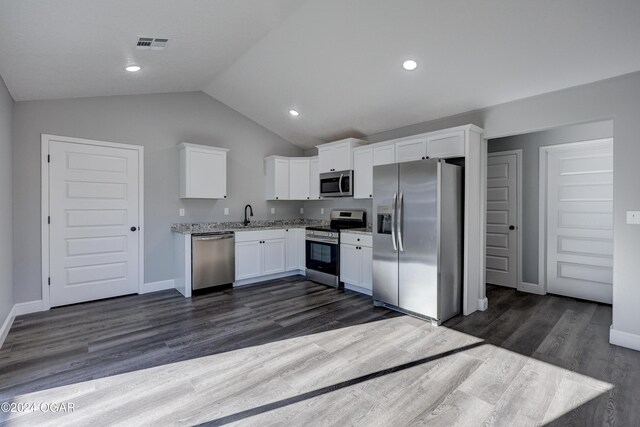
(532, 288)
(6, 325)
(624, 339)
(483, 304)
(162, 285)
(253, 280)
(28, 307)
(358, 289)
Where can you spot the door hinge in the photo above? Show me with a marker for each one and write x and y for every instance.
(48, 158)
(48, 220)
(49, 281)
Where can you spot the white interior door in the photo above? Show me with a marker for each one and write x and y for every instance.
(93, 205)
(580, 220)
(502, 216)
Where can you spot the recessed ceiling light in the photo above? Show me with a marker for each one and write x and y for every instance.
(294, 113)
(133, 68)
(409, 65)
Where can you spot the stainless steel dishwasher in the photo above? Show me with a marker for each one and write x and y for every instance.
(213, 261)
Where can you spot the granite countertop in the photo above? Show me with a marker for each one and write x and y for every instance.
(365, 231)
(213, 227)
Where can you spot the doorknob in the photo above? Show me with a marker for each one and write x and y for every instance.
(511, 227)
(133, 228)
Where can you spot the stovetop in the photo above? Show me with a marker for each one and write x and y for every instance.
(334, 228)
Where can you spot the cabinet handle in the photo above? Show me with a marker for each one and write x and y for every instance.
(370, 195)
(358, 240)
(276, 198)
(225, 196)
(424, 158)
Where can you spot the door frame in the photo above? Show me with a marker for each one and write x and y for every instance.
(44, 161)
(518, 153)
(542, 201)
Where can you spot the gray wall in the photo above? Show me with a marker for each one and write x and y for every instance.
(616, 99)
(158, 122)
(530, 144)
(6, 213)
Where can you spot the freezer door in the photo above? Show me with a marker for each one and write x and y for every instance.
(418, 237)
(385, 252)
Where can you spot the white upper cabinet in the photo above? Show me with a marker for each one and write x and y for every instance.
(363, 173)
(337, 156)
(277, 184)
(384, 155)
(411, 149)
(203, 171)
(314, 179)
(299, 178)
(445, 145)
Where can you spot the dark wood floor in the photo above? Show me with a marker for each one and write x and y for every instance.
(295, 352)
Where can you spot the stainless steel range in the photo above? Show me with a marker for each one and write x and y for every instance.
(323, 246)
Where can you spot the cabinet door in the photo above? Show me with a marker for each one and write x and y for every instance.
(299, 179)
(273, 256)
(366, 256)
(446, 145)
(342, 157)
(291, 240)
(281, 179)
(385, 155)
(314, 179)
(248, 259)
(206, 174)
(325, 159)
(363, 174)
(350, 264)
(409, 150)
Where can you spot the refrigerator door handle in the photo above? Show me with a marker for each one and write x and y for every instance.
(340, 183)
(400, 206)
(393, 222)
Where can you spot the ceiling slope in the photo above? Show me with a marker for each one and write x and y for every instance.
(78, 48)
(339, 62)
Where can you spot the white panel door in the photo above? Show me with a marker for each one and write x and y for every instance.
(273, 256)
(93, 205)
(299, 179)
(580, 221)
(502, 236)
(363, 174)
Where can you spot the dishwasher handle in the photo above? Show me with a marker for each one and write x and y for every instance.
(215, 237)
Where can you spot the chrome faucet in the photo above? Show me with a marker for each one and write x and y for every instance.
(246, 219)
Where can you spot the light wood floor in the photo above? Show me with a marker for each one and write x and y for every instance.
(291, 352)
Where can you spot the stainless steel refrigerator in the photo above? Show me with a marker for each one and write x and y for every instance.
(417, 238)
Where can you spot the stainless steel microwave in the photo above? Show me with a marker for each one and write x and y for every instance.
(336, 184)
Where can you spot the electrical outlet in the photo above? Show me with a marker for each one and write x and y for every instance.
(301, 210)
(273, 210)
(181, 212)
(633, 217)
(226, 211)
(321, 211)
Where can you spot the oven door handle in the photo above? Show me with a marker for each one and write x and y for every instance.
(320, 240)
(340, 183)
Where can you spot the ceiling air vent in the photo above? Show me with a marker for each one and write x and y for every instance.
(151, 43)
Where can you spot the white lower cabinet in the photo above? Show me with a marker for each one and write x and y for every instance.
(264, 253)
(356, 261)
(260, 253)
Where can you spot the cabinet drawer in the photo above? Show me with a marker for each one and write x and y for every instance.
(446, 145)
(356, 239)
(247, 236)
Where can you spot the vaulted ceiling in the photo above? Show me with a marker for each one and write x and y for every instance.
(338, 62)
